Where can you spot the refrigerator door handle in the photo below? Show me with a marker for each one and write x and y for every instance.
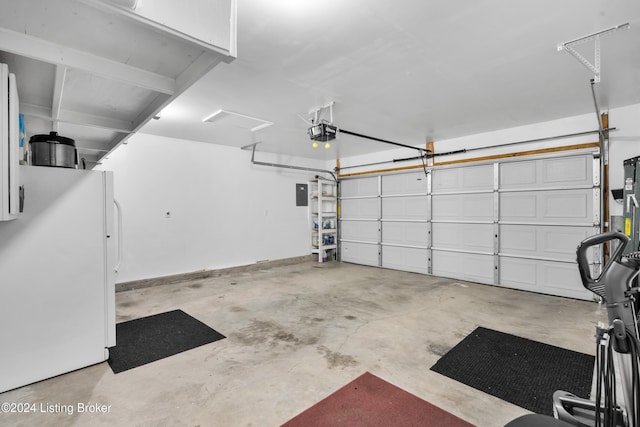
(119, 213)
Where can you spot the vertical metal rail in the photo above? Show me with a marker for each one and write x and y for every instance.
(496, 223)
(380, 246)
(430, 222)
(604, 169)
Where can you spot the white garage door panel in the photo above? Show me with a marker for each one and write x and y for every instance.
(510, 222)
(414, 208)
(561, 276)
(472, 267)
(359, 253)
(575, 206)
(364, 231)
(406, 183)
(519, 273)
(405, 233)
(461, 207)
(519, 174)
(573, 171)
(359, 187)
(471, 178)
(542, 241)
(549, 277)
(359, 208)
(405, 259)
(547, 173)
(468, 237)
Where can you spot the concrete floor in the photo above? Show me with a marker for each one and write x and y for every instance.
(297, 333)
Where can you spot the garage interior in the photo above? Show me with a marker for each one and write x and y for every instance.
(336, 189)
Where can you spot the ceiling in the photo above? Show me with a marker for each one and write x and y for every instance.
(406, 71)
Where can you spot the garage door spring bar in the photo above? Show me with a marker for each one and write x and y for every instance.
(465, 150)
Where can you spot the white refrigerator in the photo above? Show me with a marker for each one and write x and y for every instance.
(57, 277)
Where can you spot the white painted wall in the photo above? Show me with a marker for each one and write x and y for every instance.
(224, 211)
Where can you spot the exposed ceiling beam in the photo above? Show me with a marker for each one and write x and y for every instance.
(76, 118)
(46, 51)
(153, 108)
(198, 68)
(83, 119)
(89, 159)
(35, 111)
(58, 88)
(94, 146)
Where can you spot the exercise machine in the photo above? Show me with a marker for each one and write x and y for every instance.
(616, 399)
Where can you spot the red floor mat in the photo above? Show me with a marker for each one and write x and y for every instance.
(369, 401)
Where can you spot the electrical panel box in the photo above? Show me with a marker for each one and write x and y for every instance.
(302, 195)
(631, 203)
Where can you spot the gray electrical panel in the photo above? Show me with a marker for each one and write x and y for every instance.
(631, 202)
(302, 195)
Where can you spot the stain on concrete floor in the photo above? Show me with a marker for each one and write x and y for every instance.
(335, 359)
(270, 334)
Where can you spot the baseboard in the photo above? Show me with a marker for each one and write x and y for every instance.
(202, 274)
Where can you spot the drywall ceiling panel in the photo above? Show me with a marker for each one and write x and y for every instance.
(89, 137)
(423, 71)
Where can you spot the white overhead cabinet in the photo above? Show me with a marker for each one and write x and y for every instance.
(513, 223)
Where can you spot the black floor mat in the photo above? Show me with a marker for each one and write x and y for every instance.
(145, 340)
(518, 370)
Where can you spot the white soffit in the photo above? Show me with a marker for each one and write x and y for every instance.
(242, 121)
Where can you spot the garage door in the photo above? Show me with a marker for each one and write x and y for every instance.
(546, 207)
(463, 223)
(513, 223)
(360, 221)
(404, 222)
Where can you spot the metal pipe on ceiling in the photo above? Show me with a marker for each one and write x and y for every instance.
(277, 165)
(547, 138)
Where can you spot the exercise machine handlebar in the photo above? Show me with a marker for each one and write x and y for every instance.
(597, 285)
